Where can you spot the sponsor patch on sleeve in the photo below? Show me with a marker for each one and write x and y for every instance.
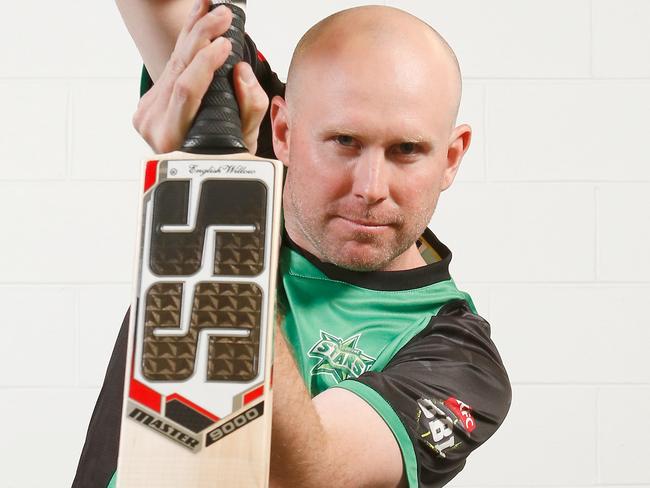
(437, 419)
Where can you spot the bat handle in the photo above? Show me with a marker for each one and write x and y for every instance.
(216, 128)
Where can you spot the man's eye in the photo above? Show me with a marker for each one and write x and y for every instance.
(407, 147)
(345, 140)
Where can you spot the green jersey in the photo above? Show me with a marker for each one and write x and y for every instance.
(355, 330)
(340, 330)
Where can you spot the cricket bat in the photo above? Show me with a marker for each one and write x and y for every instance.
(197, 402)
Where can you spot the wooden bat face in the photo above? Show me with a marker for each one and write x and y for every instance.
(202, 321)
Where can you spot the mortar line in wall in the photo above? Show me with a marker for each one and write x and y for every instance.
(27, 284)
(67, 179)
(637, 284)
(48, 388)
(490, 300)
(565, 182)
(66, 78)
(576, 79)
(590, 283)
(115, 180)
(27, 181)
(573, 384)
(597, 432)
(485, 134)
(596, 241)
(77, 338)
(591, 38)
(68, 132)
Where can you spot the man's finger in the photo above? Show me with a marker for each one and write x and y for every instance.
(199, 9)
(253, 103)
(151, 109)
(188, 91)
(204, 31)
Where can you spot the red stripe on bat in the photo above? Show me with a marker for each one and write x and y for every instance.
(192, 405)
(150, 173)
(141, 393)
(253, 394)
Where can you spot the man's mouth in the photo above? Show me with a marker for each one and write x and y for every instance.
(364, 222)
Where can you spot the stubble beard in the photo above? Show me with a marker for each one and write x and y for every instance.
(381, 251)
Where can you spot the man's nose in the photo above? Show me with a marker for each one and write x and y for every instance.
(371, 177)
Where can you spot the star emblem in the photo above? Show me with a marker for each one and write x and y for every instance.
(339, 357)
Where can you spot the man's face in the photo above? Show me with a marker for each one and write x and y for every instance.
(367, 158)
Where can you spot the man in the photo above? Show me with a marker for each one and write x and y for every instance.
(384, 375)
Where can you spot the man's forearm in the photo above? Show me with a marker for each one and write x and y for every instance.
(301, 449)
(154, 27)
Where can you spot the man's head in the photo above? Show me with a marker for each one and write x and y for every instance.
(368, 136)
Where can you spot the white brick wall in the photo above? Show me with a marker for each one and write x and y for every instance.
(549, 222)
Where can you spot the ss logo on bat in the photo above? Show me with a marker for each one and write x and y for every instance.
(229, 218)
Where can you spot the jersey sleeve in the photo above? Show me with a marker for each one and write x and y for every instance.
(443, 394)
(98, 460)
(269, 81)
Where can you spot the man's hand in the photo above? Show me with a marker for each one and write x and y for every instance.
(166, 111)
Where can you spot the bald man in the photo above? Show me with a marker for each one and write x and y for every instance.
(384, 373)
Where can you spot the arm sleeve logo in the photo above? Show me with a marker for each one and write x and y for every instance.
(437, 420)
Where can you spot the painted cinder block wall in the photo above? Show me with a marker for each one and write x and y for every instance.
(549, 221)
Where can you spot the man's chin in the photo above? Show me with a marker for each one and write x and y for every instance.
(361, 267)
(361, 260)
(357, 251)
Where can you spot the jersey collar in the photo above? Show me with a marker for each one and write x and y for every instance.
(435, 271)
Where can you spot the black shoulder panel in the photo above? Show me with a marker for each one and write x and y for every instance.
(450, 390)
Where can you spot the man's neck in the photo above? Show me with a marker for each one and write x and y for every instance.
(409, 259)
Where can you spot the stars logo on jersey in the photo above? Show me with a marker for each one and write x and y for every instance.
(339, 357)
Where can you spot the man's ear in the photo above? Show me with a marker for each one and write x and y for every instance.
(281, 128)
(459, 142)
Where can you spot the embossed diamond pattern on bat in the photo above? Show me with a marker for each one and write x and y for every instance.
(214, 306)
(220, 203)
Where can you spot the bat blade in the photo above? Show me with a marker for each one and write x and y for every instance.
(197, 407)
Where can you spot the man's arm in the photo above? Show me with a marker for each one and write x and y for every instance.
(336, 439)
(443, 394)
(155, 25)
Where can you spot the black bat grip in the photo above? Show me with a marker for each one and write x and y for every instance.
(216, 128)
